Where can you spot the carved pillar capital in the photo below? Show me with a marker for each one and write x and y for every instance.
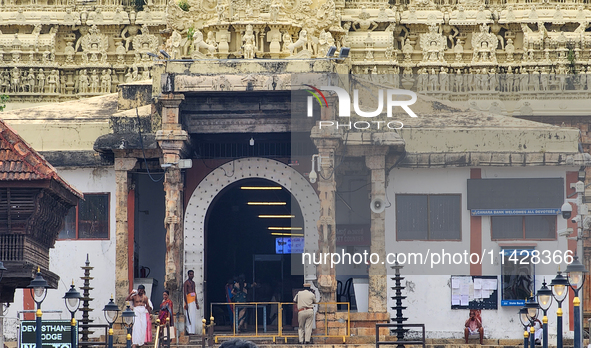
(170, 110)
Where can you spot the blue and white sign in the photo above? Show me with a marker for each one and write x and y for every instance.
(288, 245)
(519, 303)
(508, 212)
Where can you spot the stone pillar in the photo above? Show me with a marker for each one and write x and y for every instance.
(172, 140)
(122, 167)
(378, 293)
(327, 141)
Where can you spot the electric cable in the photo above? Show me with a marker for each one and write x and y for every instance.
(139, 128)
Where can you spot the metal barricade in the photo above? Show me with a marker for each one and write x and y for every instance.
(378, 342)
(269, 330)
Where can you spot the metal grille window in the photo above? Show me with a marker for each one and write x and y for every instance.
(524, 227)
(88, 220)
(428, 217)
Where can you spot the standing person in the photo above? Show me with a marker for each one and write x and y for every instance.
(305, 300)
(166, 309)
(141, 307)
(239, 295)
(191, 305)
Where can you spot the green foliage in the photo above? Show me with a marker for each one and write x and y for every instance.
(3, 100)
(190, 33)
(184, 5)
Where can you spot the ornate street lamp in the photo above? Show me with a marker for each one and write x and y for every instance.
(532, 312)
(576, 278)
(72, 299)
(523, 318)
(38, 288)
(545, 298)
(559, 284)
(111, 313)
(128, 320)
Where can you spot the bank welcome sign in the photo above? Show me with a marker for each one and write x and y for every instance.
(54, 334)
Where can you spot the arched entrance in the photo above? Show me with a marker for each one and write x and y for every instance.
(222, 177)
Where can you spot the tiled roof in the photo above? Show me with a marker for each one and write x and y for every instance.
(20, 162)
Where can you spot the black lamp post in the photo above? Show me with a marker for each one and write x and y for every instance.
(111, 313)
(576, 278)
(128, 320)
(532, 312)
(523, 318)
(545, 298)
(38, 288)
(559, 284)
(72, 299)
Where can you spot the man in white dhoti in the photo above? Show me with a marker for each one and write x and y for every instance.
(191, 305)
(141, 307)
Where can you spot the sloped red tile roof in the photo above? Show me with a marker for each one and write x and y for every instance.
(20, 162)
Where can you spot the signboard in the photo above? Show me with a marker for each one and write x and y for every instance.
(349, 235)
(289, 245)
(508, 212)
(54, 334)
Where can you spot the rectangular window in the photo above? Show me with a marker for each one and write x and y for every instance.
(428, 217)
(517, 276)
(536, 227)
(89, 219)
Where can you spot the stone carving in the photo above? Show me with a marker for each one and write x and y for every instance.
(433, 45)
(363, 22)
(249, 43)
(484, 46)
(94, 46)
(145, 43)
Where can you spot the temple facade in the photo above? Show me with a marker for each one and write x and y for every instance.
(218, 83)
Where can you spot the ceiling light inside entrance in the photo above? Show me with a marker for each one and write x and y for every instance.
(285, 228)
(276, 216)
(261, 187)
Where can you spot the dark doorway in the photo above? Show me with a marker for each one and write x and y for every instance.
(239, 240)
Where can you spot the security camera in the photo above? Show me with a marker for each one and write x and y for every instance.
(576, 219)
(565, 233)
(566, 209)
(313, 176)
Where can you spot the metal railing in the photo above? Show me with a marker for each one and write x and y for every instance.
(404, 342)
(279, 332)
(94, 343)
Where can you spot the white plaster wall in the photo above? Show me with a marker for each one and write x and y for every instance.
(429, 296)
(68, 256)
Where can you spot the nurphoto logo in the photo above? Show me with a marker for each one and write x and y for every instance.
(345, 106)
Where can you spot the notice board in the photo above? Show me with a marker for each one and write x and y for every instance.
(474, 292)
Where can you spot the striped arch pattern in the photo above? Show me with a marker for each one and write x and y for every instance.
(228, 173)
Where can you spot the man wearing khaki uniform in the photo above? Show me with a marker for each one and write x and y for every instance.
(305, 300)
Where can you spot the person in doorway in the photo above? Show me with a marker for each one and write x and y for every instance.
(473, 326)
(305, 300)
(191, 305)
(141, 307)
(239, 295)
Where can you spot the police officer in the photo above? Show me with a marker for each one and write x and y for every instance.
(305, 300)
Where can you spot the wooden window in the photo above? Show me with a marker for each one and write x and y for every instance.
(89, 219)
(521, 227)
(428, 217)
